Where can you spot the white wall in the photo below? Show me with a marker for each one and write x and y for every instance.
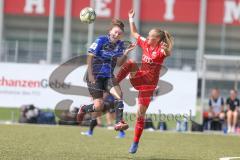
(180, 100)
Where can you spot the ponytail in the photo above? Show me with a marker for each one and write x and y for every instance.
(165, 37)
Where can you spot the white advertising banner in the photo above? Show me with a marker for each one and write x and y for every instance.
(29, 84)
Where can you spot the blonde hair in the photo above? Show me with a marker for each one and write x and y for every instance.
(164, 36)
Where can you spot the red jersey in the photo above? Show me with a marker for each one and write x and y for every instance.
(152, 60)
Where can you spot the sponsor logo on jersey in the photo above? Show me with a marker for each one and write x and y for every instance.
(147, 59)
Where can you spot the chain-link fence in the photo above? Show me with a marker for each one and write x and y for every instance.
(35, 52)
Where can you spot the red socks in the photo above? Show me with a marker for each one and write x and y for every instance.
(139, 126)
(124, 71)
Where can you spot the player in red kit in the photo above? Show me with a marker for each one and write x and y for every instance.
(156, 47)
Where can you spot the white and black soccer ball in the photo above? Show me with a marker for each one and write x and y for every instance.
(87, 15)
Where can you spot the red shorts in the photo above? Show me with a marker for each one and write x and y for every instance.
(144, 97)
(141, 83)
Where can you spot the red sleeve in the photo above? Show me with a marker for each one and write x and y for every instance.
(141, 41)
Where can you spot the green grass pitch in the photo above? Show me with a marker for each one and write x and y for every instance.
(43, 142)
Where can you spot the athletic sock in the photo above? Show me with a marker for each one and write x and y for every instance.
(93, 124)
(119, 110)
(124, 71)
(138, 129)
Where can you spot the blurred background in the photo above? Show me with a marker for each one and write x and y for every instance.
(49, 32)
(38, 36)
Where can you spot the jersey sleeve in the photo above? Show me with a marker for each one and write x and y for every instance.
(141, 41)
(96, 46)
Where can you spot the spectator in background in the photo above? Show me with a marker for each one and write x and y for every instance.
(216, 108)
(232, 110)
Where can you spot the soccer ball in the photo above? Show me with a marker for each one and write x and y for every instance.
(87, 15)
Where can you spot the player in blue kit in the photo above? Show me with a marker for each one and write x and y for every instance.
(108, 100)
(103, 55)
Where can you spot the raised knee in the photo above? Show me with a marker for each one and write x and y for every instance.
(98, 105)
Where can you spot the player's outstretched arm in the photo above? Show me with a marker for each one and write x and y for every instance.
(133, 28)
(90, 68)
(123, 58)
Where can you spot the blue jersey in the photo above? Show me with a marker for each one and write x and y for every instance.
(105, 56)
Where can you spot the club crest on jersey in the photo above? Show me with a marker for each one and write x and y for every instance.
(154, 54)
